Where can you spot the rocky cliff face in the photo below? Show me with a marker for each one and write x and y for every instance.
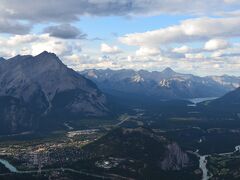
(175, 158)
(47, 87)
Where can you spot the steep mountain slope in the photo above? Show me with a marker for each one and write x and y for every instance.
(15, 116)
(167, 84)
(46, 87)
(227, 103)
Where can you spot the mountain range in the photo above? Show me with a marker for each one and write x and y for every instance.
(40, 87)
(167, 84)
(41, 92)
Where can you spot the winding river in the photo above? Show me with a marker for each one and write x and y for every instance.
(13, 169)
(203, 162)
(10, 167)
(203, 167)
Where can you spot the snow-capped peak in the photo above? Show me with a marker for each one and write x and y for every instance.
(137, 78)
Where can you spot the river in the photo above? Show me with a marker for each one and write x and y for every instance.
(13, 169)
(203, 162)
(10, 167)
(203, 167)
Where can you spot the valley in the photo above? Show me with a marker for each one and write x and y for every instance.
(144, 125)
(119, 90)
(72, 152)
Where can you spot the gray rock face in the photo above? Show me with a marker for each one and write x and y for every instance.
(47, 86)
(175, 158)
(167, 84)
(14, 116)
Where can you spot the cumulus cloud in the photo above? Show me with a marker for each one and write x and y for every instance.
(216, 44)
(191, 30)
(65, 31)
(21, 39)
(84, 61)
(194, 56)
(62, 10)
(105, 48)
(229, 52)
(35, 44)
(182, 49)
(170, 46)
(148, 51)
(13, 12)
(14, 27)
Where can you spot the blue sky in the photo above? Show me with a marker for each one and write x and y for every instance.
(199, 37)
(106, 26)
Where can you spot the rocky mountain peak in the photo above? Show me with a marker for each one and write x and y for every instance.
(48, 57)
(46, 86)
(168, 71)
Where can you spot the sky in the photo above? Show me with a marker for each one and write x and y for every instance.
(201, 37)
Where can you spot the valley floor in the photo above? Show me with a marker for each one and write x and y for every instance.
(63, 153)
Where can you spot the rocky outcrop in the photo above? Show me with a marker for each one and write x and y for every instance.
(175, 158)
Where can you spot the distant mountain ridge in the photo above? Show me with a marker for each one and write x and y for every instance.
(230, 102)
(166, 84)
(35, 87)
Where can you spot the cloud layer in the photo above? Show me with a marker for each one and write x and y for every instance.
(62, 11)
(208, 40)
(190, 30)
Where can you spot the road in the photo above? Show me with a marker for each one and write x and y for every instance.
(112, 176)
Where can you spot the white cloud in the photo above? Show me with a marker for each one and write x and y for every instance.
(171, 46)
(182, 49)
(194, 56)
(232, 51)
(216, 44)
(216, 54)
(59, 47)
(105, 48)
(148, 51)
(22, 39)
(18, 17)
(35, 44)
(191, 30)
